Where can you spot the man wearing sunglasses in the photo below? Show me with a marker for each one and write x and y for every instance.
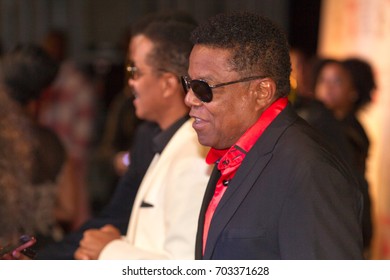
(277, 190)
(164, 215)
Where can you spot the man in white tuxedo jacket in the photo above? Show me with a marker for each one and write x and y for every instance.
(164, 217)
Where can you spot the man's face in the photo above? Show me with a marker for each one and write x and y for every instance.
(221, 122)
(147, 83)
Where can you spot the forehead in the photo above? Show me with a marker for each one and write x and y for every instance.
(139, 47)
(208, 61)
(335, 69)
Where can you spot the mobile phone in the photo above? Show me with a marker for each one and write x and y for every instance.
(25, 241)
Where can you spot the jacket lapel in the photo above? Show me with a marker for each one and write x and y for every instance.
(246, 176)
(141, 193)
(238, 188)
(206, 200)
(156, 172)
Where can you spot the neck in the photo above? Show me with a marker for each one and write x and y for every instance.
(172, 115)
(341, 114)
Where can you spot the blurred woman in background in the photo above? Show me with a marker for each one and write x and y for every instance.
(345, 87)
(32, 158)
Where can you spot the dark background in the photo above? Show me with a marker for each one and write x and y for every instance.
(98, 27)
(304, 18)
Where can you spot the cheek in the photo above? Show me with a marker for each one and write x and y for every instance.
(227, 119)
(323, 93)
(322, 89)
(221, 113)
(228, 115)
(146, 97)
(337, 95)
(213, 132)
(148, 90)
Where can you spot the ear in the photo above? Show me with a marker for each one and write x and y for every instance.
(170, 84)
(265, 92)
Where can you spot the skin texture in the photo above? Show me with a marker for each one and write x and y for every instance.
(94, 240)
(146, 96)
(156, 92)
(216, 123)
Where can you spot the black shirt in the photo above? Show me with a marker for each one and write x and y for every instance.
(163, 137)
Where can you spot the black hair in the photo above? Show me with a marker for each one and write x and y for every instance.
(171, 45)
(362, 79)
(162, 16)
(258, 46)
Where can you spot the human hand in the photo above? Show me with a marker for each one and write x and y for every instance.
(94, 240)
(20, 251)
(121, 162)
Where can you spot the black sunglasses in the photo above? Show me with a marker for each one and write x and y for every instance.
(203, 90)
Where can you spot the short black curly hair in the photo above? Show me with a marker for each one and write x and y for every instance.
(258, 46)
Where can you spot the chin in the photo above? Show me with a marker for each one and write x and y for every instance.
(203, 141)
(206, 141)
(140, 113)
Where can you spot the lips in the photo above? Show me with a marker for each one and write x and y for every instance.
(198, 123)
(196, 118)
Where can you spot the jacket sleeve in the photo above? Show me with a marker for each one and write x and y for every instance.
(320, 216)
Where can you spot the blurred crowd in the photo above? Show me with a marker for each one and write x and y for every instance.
(66, 130)
(329, 94)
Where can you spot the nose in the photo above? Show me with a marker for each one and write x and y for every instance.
(191, 99)
(131, 87)
(130, 82)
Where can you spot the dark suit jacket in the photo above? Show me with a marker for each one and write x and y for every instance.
(290, 199)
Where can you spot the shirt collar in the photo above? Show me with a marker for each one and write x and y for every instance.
(247, 140)
(162, 138)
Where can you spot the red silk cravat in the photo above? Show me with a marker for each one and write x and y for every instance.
(229, 160)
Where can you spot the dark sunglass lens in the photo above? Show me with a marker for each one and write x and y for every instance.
(202, 90)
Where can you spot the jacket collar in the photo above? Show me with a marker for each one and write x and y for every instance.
(241, 184)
